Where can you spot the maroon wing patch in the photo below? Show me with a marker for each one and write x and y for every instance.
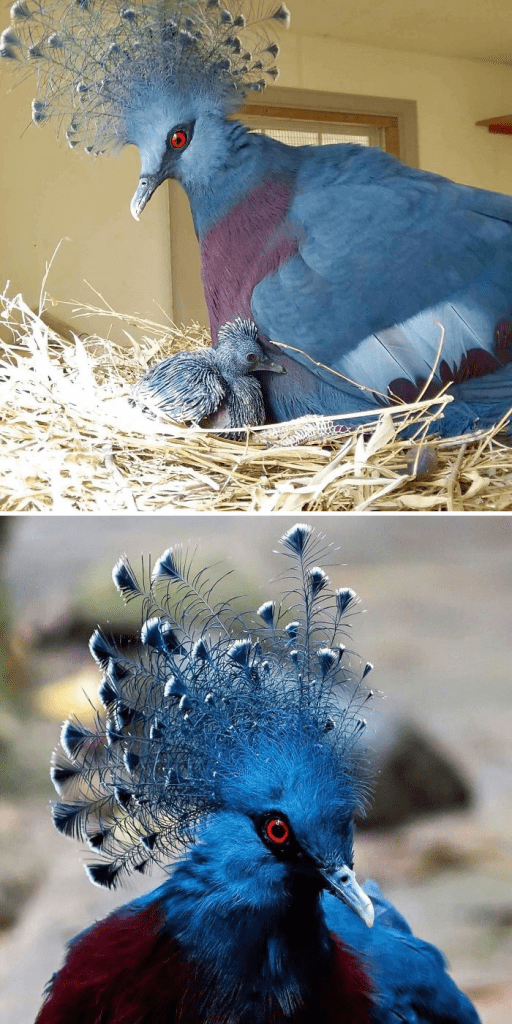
(123, 970)
(347, 993)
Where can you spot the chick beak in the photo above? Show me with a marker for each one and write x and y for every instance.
(342, 883)
(148, 183)
(264, 363)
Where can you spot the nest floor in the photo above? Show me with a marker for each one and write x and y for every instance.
(72, 443)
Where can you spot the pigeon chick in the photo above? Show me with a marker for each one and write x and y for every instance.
(213, 388)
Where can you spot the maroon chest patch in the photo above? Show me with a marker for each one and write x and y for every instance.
(251, 241)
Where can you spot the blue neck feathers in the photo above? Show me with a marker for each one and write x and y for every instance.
(243, 168)
(260, 952)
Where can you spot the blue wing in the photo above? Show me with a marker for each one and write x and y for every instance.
(409, 975)
(386, 254)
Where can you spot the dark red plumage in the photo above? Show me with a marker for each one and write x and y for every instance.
(476, 363)
(503, 340)
(251, 241)
(127, 970)
(346, 995)
(123, 970)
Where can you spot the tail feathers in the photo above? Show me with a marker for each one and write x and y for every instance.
(461, 418)
(480, 403)
(465, 336)
(494, 388)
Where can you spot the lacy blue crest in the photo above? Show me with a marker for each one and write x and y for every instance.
(186, 717)
(100, 64)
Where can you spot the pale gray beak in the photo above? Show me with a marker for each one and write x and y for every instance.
(147, 185)
(342, 883)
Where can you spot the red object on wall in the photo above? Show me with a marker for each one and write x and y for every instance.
(498, 125)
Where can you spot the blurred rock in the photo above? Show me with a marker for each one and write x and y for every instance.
(415, 778)
(444, 856)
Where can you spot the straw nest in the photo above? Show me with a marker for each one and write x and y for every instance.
(72, 443)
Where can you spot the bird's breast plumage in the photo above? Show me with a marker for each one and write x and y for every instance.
(249, 242)
(128, 969)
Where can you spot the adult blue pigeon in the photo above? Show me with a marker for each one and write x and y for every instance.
(236, 742)
(388, 282)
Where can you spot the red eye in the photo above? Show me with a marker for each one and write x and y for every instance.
(179, 139)
(277, 831)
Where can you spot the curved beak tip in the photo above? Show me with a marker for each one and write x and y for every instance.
(147, 185)
(137, 205)
(265, 363)
(272, 368)
(343, 884)
(368, 915)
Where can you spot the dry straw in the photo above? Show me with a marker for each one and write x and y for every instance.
(71, 442)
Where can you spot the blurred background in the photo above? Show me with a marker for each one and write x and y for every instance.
(439, 836)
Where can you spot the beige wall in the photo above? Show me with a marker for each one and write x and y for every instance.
(50, 192)
(452, 94)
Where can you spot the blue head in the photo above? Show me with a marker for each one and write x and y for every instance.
(284, 825)
(240, 741)
(246, 901)
(161, 74)
(239, 352)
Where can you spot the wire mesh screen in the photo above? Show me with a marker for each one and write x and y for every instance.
(305, 138)
(295, 133)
